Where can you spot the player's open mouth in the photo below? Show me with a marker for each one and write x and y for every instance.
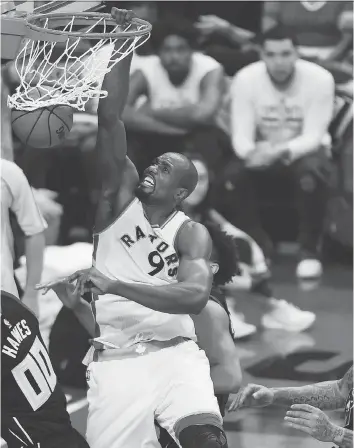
(148, 181)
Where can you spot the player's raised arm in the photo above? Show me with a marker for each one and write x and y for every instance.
(188, 296)
(116, 170)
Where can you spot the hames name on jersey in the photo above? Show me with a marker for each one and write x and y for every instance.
(133, 251)
(18, 333)
(32, 402)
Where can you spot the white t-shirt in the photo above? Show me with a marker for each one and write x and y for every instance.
(163, 94)
(17, 196)
(299, 115)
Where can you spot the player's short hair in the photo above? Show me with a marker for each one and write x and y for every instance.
(277, 32)
(227, 254)
(177, 27)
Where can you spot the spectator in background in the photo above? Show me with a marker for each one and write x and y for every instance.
(184, 90)
(229, 44)
(17, 200)
(280, 112)
(324, 29)
(254, 273)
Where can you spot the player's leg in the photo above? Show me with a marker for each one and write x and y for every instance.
(121, 404)
(311, 175)
(195, 436)
(189, 410)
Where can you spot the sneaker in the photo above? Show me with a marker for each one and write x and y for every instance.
(241, 329)
(309, 268)
(284, 343)
(286, 316)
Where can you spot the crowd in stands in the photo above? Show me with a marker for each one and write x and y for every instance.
(247, 90)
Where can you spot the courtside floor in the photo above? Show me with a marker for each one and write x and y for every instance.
(277, 358)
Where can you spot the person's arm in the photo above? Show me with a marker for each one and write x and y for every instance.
(328, 395)
(211, 24)
(316, 423)
(137, 120)
(243, 119)
(308, 416)
(339, 51)
(32, 225)
(118, 174)
(345, 25)
(188, 295)
(203, 113)
(270, 17)
(70, 297)
(237, 35)
(212, 329)
(83, 312)
(317, 117)
(34, 250)
(343, 437)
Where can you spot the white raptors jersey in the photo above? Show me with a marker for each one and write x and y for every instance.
(133, 251)
(162, 93)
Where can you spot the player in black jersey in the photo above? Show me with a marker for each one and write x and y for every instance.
(307, 404)
(33, 406)
(214, 328)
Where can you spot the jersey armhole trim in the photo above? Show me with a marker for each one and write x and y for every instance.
(177, 234)
(124, 210)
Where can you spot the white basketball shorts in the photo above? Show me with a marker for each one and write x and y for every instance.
(125, 396)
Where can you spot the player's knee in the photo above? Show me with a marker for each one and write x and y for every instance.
(203, 436)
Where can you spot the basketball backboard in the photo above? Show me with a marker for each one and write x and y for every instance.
(13, 14)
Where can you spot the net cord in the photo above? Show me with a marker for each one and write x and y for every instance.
(78, 77)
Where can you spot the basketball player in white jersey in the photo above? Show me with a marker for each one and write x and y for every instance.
(144, 363)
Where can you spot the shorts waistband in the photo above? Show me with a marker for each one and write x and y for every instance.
(136, 350)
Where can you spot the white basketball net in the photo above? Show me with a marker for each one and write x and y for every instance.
(69, 79)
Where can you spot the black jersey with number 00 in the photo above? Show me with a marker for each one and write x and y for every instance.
(33, 406)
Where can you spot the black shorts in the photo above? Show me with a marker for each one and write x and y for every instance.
(69, 439)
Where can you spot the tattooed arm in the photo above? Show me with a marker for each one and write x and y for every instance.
(343, 438)
(311, 420)
(316, 423)
(328, 395)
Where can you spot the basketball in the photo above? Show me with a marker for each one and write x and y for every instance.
(42, 128)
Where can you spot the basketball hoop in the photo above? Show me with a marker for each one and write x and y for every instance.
(49, 59)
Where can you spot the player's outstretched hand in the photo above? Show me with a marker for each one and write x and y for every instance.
(122, 16)
(68, 293)
(314, 422)
(253, 395)
(92, 280)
